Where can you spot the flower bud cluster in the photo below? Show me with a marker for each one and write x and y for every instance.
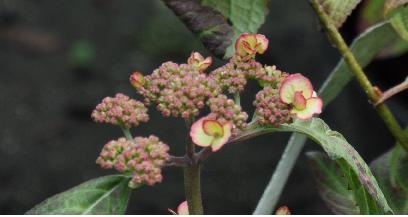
(120, 110)
(142, 157)
(269, 108)
(225, 110)
(230, 78)
(178, 90)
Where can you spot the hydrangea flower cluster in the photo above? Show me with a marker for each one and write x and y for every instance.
(120, 110)
(269, 109)
(182, 90)
(178, 90)
(142, 157)
(230, 78)
(225, 110)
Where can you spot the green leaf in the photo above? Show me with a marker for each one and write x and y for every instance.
(336, 146)
(365, 48)
(245, 16)
(371, 13)
(391, 171)
(399, 20)
(104, 196)
(339, 186)
(338, 10)
(390, 5)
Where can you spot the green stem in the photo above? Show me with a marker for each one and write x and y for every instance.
(127, 133)
(192, 187)
(237, 99)
(383, 110)
(271, 195)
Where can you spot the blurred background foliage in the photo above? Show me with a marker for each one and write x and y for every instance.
(58, 59)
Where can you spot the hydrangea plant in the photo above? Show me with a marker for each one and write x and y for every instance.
(208, 99)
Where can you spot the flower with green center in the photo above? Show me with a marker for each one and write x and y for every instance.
(297, 91)
(207, 132)
(247, 45)
(197, 60)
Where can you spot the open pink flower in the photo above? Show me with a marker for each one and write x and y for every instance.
(247, 45)
(208, 132)
(297, 90)
(197, 60)
(182, 209)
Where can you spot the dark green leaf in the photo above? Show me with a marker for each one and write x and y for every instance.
(104, 196)
(339, 187)
(391, 171)
(207, 23)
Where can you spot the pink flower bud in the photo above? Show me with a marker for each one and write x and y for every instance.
(137, 79)
(197, 60)
(247, 45)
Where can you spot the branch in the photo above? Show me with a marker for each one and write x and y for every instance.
(392, 91)
(178, 161)
(383, 111)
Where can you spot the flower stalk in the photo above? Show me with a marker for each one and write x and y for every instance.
(382, 109)
(192, 185)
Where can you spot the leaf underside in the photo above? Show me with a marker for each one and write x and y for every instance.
(391, 171)
(106, 195)
(339, 186)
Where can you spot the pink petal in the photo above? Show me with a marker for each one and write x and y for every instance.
(292, 84)
(182, 209)
(299, 101)
(262, 43)
(198, 135)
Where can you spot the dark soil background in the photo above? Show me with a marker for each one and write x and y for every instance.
(58, 59)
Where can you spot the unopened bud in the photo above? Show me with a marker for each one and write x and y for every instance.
(137, 79)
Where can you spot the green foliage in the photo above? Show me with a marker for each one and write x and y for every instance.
(245, 16)
(103, 196)
(337, 10)
(339, 187)
(391, 171)
(218, 23)
(399, 20)
(372, 12)
(390, 5)
(336, 146)
(365, 48)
